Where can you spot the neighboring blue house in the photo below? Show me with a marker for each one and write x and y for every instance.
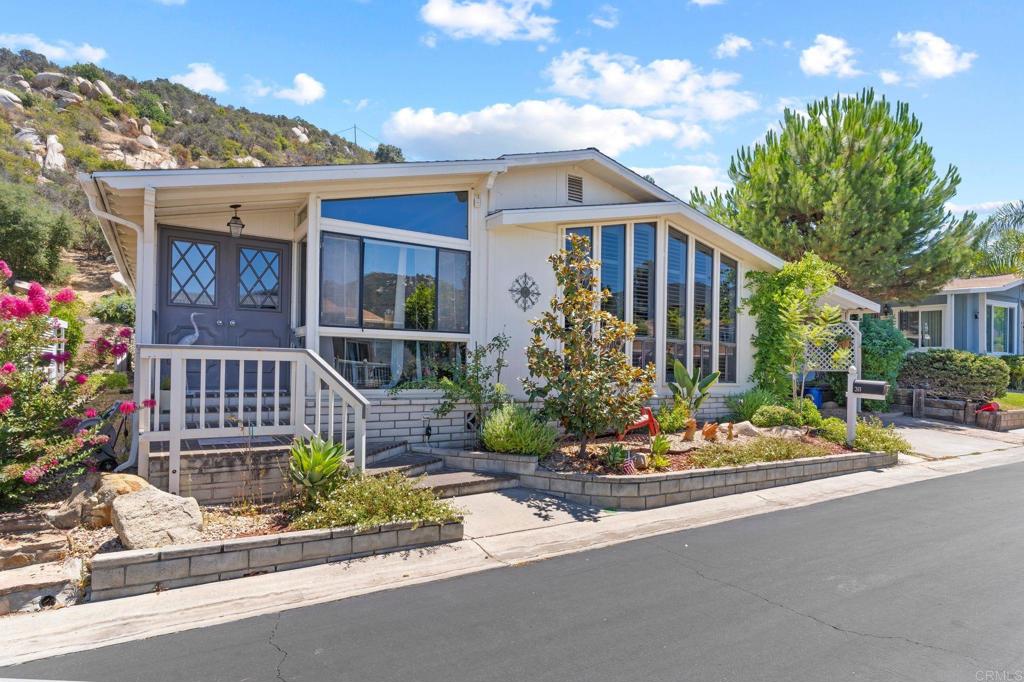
(980, 314)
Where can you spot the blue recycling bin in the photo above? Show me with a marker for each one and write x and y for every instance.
(816, 395)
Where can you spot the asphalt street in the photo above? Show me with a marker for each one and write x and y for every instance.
(918, 582)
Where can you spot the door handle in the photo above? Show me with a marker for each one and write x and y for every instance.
(220, 323)
(231, 323)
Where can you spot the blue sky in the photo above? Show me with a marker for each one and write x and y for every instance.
(670, 87)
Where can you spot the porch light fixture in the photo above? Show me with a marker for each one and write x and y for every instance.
(235, 224)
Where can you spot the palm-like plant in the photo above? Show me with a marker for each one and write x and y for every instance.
(315, 462)
(1002, 240)
(691, 389)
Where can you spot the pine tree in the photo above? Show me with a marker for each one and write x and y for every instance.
(852, 180)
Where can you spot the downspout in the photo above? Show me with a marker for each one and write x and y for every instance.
(91, 195)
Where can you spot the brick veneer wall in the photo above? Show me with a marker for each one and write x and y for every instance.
(650, 491)
(123, 574)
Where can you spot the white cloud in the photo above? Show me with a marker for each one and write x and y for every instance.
(889, 77)
(201, 77)
(490, 20)
(532, 125)
(305, 90)
(933, 56)
(981, 207)
(362, 104)
(732, 45)
(706, 3)
(61, 51)
(680, 179)
(430, 40)
(254, 87)
(607, 16)
(677, 84)
(829, 55)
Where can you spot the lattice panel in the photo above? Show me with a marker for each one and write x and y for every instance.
(839, 350)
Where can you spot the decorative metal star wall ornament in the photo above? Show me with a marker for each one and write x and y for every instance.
(524, 291)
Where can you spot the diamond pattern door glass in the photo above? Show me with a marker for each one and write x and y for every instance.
(193, 273)
(259, 278)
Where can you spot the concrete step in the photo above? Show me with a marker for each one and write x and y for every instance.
(41, 586)
(377, 451)
(407, 463)
(450, 483)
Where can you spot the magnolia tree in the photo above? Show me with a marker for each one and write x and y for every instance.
(41, 442)
(576, 356)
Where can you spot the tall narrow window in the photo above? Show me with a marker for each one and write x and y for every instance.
(1000, 329)
(613, 268)
(399, 285)
(728, 293)
(452, 291)
(675, 323)
(644, 244)
(703, 307)
(339, 281)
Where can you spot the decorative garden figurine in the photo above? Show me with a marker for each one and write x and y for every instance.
(691, 428)
(710, 431)
(641, 461)
(730, 434)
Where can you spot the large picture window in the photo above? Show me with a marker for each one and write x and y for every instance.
(445, 214)
(1001, 337)
(378, 284)
(728, 293)
(923, 328)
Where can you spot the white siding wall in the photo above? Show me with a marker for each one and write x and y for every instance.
(543, 187)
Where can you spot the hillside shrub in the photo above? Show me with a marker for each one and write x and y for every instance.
(115, 309)
(958, 374)
(744, 405)
(32, 234)
(768, 416)
(515, 430)
(149, 105)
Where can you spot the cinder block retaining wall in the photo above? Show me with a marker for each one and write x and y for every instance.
(123, 574)
(225, 477)
(650, 491)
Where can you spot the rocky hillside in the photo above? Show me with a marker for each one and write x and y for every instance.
(57, 121)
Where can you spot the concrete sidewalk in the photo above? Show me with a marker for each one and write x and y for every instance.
(935, 439)
(503, 529)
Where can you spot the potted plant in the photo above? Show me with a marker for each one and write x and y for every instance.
(165, 392)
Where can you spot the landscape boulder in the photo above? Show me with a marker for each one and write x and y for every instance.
(118, 282)
(147, 141)
(47, 79)
(8, 100)
(153, 518)
(92, 498)
(745, 429)
(54, 159)
(103, 88)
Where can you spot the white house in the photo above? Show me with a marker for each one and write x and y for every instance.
(367, 276)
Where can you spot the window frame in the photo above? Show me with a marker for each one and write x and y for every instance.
(918, 309)
(280, 277)
(217, 265)
(1011, 326)
(327, 222)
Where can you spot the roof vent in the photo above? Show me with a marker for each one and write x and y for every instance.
(575, 189)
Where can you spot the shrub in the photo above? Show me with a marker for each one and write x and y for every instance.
(365, 501)
(948, 373)
(809, 414)
(833, 429)
(108, 381)
(659, 452)
(514, 429)
(115, 309)
(761, 449)
(314, 463)
(32, 234)
(691, 389)
(744, 405)
(149, 105)
(673, 419)
(614, 456)
(872, 436)
(89, 71)
(883, 349)
(1015, 363)
(775, 415)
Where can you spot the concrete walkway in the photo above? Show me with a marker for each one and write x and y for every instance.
(935, 439)
(503, 529)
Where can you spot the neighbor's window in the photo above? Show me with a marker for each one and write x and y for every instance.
(923, 328)
(378, 284)
(675, 323)
(728, 292)
(386, 363)
(1000, 329)
(703, 307)
(445, 214)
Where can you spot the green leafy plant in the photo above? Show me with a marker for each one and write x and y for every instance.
(514, 429)
(365, 501)
(744, 405)
(833, 429)
(614, 456)
(108, 381)
(576, 360)
(883, 349)
(760, 449)
(673, 418)
(768, 416)
(660, 446)
(691, 389)
(314, 463)
(809, 414)
(32, 233)
(115, 309)
(958, 374)
(1015, 363)
(873, 436)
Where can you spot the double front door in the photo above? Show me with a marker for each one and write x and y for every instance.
(216, 290)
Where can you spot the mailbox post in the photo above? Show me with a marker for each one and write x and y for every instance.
(856, 390)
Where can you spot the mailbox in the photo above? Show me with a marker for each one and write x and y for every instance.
(864, 388)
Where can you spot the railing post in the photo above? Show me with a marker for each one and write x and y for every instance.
(177, 425)
(359, 446)
(143, 389)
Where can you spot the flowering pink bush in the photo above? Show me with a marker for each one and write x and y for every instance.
(41, 441)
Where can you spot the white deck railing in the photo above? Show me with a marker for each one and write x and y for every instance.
(204, 392)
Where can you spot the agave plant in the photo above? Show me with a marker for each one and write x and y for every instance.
(315, 462)
(691, 389)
